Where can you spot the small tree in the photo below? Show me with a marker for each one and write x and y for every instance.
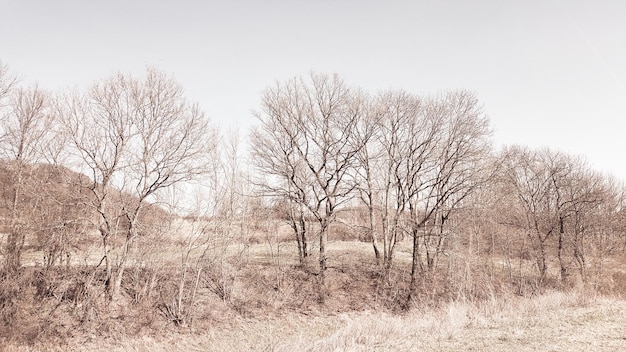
(99, 131)
(434, 187)
(133, 138)
(24, 133)
(406, 139)
(171, 144)
(557, 198)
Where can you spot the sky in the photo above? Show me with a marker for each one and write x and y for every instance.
(549, 73)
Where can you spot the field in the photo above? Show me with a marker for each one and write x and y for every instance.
(347, 219)
(273, 308)
(554, 321)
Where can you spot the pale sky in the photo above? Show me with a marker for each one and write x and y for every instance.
(549, 73)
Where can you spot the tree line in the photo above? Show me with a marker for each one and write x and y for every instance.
(394, 167)
(418, 167)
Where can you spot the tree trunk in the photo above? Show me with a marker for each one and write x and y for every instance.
(296, 231)
(542, 263)
(322, 261)
(414, 270)
(16, 238)
(108, 280)
(305, 250)
(121, 266)
(385, 229)
(564, 270)
(371, 230)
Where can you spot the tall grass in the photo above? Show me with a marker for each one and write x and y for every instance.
(559, 321)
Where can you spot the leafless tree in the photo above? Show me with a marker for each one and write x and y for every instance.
(138, 136)
(369, 158)
(531, 184)
(577, 192)
(401, 143)
(306, 145)
(24, 131)
(274, 153)
(603, 233)
(178, 297)
(409, 140)
(558, 197)
(171, 144)
(100, 129)
(8, 81)
(456, 166)
(229, 230)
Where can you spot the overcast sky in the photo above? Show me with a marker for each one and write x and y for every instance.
(549, 73)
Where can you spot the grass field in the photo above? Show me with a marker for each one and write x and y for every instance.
(273, 307)
(555, 321)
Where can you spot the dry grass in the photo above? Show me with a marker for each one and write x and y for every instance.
(551, 322)
(555, 321)
(274, 307)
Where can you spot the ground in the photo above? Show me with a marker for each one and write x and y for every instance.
(555, 321)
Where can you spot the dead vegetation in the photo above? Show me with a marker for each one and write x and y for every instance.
(272, 304)
(363, 222)
(572, 321)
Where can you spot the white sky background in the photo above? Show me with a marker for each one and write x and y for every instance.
(549, 73)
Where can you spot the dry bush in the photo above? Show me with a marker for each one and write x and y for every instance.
(139, 283)
(12, 286)
(618, 284)
(340, 231)
(261, 292)
(176, 301)
(54, 304)
(46, 305)
(361, 313)
(257, 283)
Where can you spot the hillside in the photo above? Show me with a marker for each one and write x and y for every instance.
(56, 210)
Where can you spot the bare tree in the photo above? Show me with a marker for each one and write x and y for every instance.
(401, 144)
(177, 302)
(138, 136)
(100, 129)
(7, 83)
(458, 164)
(583, 194)
(369, 158)
(558, 196)
(171, 144)
(602, 234)
(24, 131)
(408, 137)
(531, 181)
(281, 173)
(307, 143)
